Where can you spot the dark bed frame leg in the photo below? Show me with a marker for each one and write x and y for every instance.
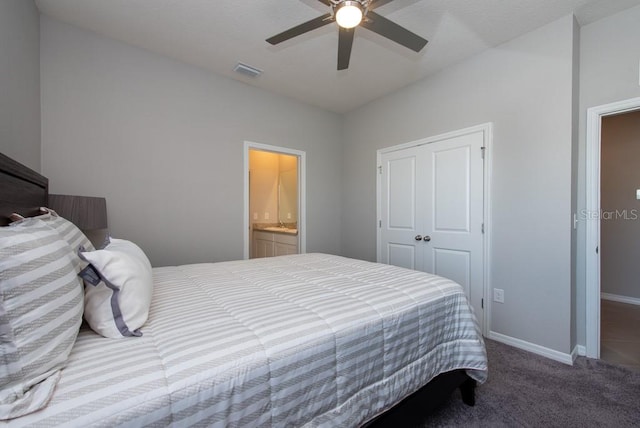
(468, 390)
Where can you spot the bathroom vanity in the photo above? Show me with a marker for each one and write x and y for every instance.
(272, 241)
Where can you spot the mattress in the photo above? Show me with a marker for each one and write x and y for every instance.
(302, 340)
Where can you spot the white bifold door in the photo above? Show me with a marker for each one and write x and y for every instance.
(432, 199)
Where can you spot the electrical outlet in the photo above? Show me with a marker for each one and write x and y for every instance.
(498, 295)
(288, 216)
(255, 216)
(266, 216)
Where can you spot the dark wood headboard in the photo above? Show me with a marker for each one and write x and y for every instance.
(22, 190)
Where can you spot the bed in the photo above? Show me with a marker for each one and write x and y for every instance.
(302, 340)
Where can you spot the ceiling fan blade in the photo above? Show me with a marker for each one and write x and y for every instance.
(377, 3)
(327, 2)
(392, 31)
(345, 42)
(301, 29)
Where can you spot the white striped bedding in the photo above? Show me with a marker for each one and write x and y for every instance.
(302, 340)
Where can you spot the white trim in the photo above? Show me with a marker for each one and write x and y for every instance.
(619, 298)
(488, 224)
(378, 205)
(592, 218)
(487, 129)
(302, 192)
(578, 351)
(533, 348)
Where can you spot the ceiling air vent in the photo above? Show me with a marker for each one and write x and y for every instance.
(247, 70)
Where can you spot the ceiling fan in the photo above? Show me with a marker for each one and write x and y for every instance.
(349, 14)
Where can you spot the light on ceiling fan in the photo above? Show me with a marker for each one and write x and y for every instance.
(349, 14)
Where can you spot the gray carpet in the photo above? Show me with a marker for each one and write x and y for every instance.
(526, 390)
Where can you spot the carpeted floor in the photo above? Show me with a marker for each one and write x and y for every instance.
(526, 390)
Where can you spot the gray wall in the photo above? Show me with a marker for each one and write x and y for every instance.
(163, 142)
(525, 88)
(608, 72)
(620, 227)
(20, 81)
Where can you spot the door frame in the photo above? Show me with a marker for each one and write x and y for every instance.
(302, 198)
(591, 215)
(487, 130)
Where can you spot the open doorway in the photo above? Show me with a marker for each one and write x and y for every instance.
(612, 296)
(620, 239)
(274, 214)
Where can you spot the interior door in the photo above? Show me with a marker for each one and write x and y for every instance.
(402, 221)
(454, 193)
(432, 198)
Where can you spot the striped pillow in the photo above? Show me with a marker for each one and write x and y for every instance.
(70, 233)
(67, 230)
(41, 303)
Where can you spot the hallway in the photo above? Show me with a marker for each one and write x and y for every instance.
(620, 333)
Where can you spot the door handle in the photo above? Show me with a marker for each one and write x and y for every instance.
(418, 238)
(427, 238)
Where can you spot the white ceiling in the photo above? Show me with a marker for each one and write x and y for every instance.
(217, 34)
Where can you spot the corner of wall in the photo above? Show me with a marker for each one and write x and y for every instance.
(575, 154)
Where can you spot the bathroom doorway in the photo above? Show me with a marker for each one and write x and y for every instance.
(274, 214)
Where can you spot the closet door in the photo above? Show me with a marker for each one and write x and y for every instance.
(432, 198)
(403, 205)
(454, 196)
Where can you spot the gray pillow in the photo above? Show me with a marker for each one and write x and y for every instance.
(41, 304)
(67, 231)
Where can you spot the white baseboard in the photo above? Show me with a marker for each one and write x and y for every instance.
(578, 351)
(532, 347)
(621, 299)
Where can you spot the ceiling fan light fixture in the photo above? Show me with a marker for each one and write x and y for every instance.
(349, 14)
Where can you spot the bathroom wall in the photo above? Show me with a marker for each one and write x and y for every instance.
(268, 171)
(263, 189)
(288, 203)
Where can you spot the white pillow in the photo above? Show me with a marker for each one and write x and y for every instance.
(40, 314)
(118, 289)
